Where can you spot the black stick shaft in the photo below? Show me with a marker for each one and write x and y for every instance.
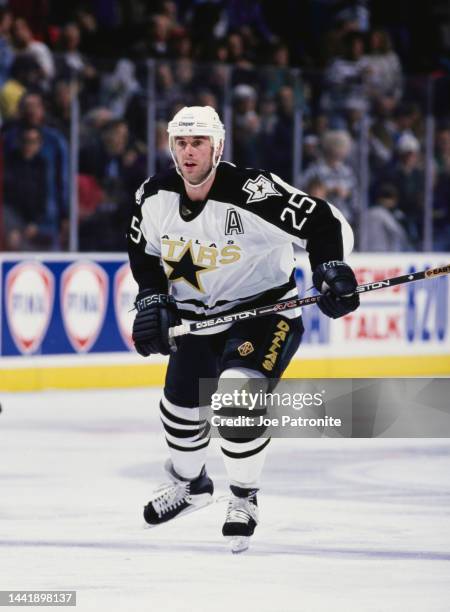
(289, 304)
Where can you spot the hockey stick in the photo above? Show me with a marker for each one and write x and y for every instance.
(187, 328)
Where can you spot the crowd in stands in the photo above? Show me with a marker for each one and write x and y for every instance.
(348, 67)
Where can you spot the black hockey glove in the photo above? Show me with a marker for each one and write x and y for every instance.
(337, 284)
(156, 312)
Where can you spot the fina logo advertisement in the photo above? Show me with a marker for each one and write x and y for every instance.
(29, 302)
(84, 296)
(125, 291)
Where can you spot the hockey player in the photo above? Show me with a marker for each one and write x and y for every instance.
(208, 238)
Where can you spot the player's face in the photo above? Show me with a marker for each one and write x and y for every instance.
(194, 156)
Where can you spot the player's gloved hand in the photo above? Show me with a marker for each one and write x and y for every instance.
(156, 312)
(337, 283)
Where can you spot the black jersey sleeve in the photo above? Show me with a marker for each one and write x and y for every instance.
(309, 222)
(146, 268)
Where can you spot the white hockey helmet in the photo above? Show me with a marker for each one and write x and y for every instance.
(197, 121)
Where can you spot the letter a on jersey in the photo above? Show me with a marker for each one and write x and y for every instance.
(233, 223)
(259, 189)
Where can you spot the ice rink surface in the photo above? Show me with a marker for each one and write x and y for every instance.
(346, 525)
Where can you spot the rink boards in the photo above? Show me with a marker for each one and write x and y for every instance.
(65, 322)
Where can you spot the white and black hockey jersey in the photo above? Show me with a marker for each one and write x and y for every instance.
(234, 250)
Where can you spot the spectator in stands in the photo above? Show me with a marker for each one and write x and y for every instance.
(239, 55)
(334, 171)
(405, 172)
(269, 118)
(168, 90)
(345, 77)
(109, 157)
(61, 107)
(70, 61)
(118, 168)
(157, 42)
(383, 69)
(6, 50)
(185, 77)
(88, 26)
(208, 22)
(181, 45)
(24, 74)
(245, 15)
(317, 189)
(441, 200)
(32, 114)
(311, 151)
(442, 152)
(246, 126)
(35, 12)
(279, 148)
(355, 108)
(408, 118)
(169, 9)
(102, 227)
(345, 21)
(279, 73)
(24, 43)
(236, 48)
(215, 76)
(383, 133)
(119, 87)
(215, 51)
(386, 223)
(163, 157)
(29, 219)
(92, 124)
(206, 98)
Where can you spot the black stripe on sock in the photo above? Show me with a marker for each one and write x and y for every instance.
(201, 432)
(181, 433)
(173, 418)
(245, 454)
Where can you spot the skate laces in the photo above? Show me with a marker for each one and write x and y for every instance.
(241, 509)
(169, 496)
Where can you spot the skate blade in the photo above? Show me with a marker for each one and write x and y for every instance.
(239, 544)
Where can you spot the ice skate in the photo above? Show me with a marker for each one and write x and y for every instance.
(178, 497)
(241, 518)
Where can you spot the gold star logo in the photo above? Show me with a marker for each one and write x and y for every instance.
(184, 268)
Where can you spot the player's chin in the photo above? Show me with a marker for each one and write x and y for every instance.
(196, 179)
(190, 173)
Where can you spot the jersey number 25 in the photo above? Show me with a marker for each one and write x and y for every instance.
(298, 200)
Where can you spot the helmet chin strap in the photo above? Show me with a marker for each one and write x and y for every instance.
(197, 185)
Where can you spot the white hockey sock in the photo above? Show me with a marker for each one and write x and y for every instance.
(244, 460)
(187, 435)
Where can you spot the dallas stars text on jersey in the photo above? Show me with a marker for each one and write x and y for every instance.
(234, 250)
